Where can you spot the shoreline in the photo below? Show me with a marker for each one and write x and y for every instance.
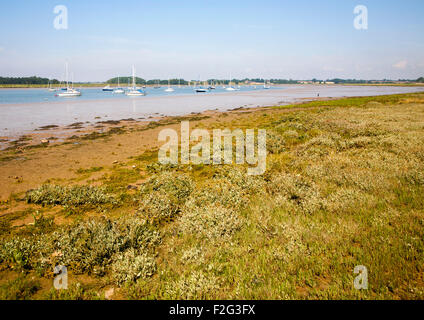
(86, 146)
(28, 118)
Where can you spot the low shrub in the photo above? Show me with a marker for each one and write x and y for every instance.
(194, 286)
(210, 222)
(176, 185)
(157, 207)
(130, 265)
(69, 195)
(90, 246)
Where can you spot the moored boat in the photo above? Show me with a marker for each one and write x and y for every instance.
(134, 91)
(69, 91)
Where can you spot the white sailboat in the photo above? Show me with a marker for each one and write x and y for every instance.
(119, 89)
(169, 89)
(69, 91)
(230, 87)
(266, 86)
(134, 91)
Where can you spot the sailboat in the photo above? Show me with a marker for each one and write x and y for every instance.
(200, 88)
(266, 86)
(69, 91)
(157, 86)
(169, 89)
(119, 89)
(134, 91)
(50, 88)
(212, 86)
(230, 87)
(107, 88)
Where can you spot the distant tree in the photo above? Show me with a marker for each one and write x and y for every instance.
(27, 80)
(420, 80)
(126, 80)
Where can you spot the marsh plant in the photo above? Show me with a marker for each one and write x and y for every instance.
(210, 222)
(221, 145)
(196, 285)
(130, 265)
(93, 247)
(49, 194)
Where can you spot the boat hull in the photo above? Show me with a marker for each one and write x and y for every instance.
(135, 93)
(66, 94)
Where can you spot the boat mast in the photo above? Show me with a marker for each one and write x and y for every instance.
(133, 72)
(66, 71)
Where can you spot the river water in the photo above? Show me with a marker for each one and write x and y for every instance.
(23, 110)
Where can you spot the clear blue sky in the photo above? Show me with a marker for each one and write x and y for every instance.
(298, 39)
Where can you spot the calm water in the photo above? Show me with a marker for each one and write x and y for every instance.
(11, 96)
(23, 110)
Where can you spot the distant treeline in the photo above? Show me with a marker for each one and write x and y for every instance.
(354, 81)
(125, 80)
(27, 80)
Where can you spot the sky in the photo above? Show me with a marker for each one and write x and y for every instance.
(285, 39)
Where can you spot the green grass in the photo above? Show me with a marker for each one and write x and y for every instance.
(19, 289)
